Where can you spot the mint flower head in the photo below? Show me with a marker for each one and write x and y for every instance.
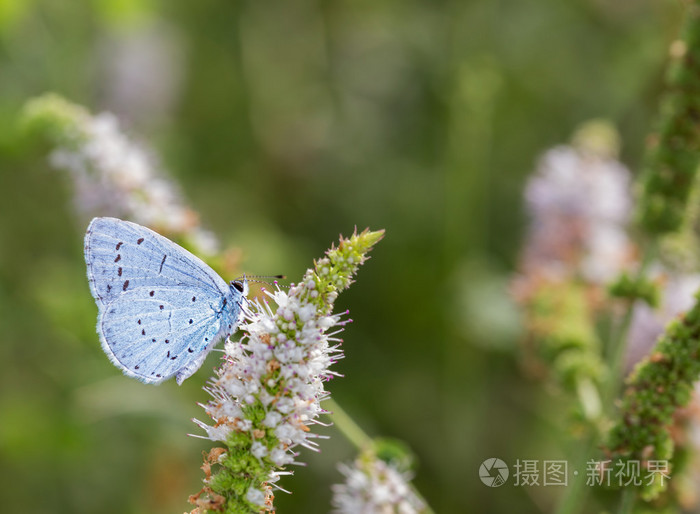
(373, 486)
(267, 392)
(579, 202)
(112, 174)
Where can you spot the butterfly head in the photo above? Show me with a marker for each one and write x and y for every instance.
(240, 285)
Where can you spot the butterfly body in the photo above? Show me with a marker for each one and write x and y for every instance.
(161, 309)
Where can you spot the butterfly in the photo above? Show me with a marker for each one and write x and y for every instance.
(161, 309)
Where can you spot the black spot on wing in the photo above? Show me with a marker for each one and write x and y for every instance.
(126, 284)
(139, 240)
(119, 244)
(161, 263)
(119, 257)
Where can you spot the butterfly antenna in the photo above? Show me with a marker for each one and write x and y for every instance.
(266, 276)
(256, 279)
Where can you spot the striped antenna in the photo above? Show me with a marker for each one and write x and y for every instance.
(255, 278)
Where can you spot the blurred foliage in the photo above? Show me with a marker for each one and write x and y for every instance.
(635, 288)
(286, 123)
(674, 152)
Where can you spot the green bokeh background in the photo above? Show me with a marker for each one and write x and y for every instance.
(286, 123)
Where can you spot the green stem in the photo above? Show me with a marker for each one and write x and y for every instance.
(619, 340)
(574, 499)
(617, 368)
(575, 496)
(347, 426)
(629, 497)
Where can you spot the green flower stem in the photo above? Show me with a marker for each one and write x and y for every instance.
(619, 340)
(575, 497)
(627, 501)
(347, 426)
(618, 347)
(589, 398)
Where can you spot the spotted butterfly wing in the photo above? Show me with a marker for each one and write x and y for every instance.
(123, 256)
(161, 309)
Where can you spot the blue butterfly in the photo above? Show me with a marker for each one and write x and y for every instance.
(161, 309)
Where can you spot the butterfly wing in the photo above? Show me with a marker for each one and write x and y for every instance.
(121, 255)
(153, 337)
(161, 308)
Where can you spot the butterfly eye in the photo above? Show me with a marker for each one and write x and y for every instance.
(238, 285)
